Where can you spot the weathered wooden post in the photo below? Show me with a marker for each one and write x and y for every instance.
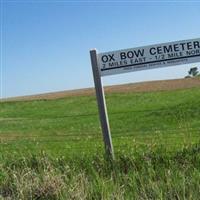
(101, 105)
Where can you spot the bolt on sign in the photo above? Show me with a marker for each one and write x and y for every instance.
(137, 59)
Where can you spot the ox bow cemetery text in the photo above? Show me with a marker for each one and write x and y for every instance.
(140, 58)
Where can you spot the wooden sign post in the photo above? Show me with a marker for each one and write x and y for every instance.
(101, 105)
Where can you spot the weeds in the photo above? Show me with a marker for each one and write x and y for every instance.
(149, 175)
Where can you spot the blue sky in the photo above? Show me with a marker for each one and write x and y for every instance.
(45, 44)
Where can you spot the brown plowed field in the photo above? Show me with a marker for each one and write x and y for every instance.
(132, 87)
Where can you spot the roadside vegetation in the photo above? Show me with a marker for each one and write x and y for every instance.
(53, 149)
(152, 174)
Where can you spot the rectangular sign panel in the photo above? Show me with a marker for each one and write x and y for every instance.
(149, 57)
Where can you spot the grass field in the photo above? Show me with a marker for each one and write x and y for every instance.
(52, 149)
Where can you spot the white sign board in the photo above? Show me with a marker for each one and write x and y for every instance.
(149, 57)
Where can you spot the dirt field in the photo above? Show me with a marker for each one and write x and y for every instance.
(132, 87)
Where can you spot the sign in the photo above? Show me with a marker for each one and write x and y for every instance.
(136, 59)
(149, 57)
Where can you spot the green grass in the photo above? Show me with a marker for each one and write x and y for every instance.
(53, 149)
(151, 174)
(72, 124)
